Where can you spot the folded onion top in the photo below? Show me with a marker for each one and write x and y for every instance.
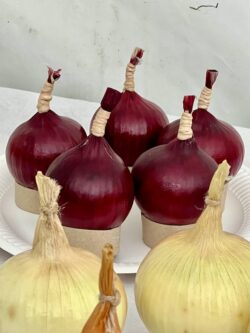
(216, 137)
(171, 180)
(97, 187)
(53, 288)
(197, 281)
(135, 122)
(37, 142)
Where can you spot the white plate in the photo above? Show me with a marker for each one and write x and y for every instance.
(17, 227)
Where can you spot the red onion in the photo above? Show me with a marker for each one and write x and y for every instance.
(37, 142)
(97, 191)
(217, 138)
(171, 180)
(135, 122)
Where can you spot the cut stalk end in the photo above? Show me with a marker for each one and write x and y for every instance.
(188, 102)
(211, 77)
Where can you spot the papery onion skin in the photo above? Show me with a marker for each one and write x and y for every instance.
(171, 181)
(63, 294)
(217, 138)
(37, 142)
(176, 292)
(97, 187)
(195, 281)
(54, 287)
(134, 126)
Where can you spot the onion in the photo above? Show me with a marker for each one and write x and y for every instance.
(217, 138)
(97, 192)
(37, 142)
(135, 122)
(197, 281)
(171, 181)
(53, 288)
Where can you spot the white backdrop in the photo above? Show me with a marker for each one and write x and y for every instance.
(92, 41)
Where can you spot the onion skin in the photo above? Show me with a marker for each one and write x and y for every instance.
(63, 294)
(133, 126)
(195, 281)
(97, 187)
(37, 142)
(52, 288)
(217, 138)
(171, 181)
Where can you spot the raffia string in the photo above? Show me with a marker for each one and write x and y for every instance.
(129, 83)
(43, 104)
(204, 99)
(50, 238)
(212, 203)
(209, 224)
(217, 185)
(185, 131)
(104, 317)
(100, 122)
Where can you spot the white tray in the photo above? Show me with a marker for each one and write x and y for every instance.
(17, 227)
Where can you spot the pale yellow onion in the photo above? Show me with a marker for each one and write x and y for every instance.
(198, 280)
(53, 288)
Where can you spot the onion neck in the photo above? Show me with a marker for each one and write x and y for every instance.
(43, 104)
(50, 241)
(208, 229)
(185, 131)
(204, 99)
(129, 84)
(209, 225)
(99, 122)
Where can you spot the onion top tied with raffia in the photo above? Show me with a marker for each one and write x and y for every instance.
(171, 181)
(37, 142)
(52, 288)
(216, 137)
(97, 192)
(135, 122)
(197, 280)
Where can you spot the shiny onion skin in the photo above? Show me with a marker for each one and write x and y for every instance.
(134, 123)
(97, 189)
(217, 138)
(171, 181)
(37, 142)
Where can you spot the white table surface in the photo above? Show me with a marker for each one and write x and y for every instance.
(16, 106)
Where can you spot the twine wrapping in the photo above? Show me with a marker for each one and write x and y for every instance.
(49, 209)
(50, 240)
(204, 99)
(104, 317)
(209, 225)
(43, 104)
(114, 300)
(212, 203)
(100, 122)
(129, 83)
(185, 128)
